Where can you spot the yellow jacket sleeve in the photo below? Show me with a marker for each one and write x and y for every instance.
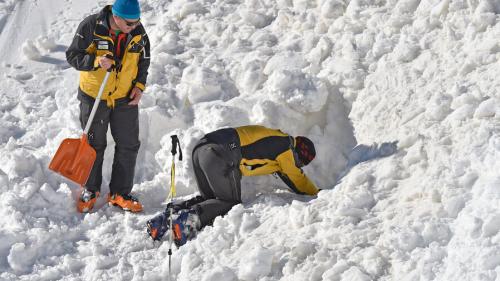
(140, 86)
(293, 176)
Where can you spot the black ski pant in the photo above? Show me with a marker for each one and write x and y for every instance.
(219, 181)
(123, 120)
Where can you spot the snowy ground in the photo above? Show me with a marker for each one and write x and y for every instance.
(420, 72)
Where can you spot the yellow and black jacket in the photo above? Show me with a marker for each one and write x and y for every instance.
(93, 39)
(265, 151)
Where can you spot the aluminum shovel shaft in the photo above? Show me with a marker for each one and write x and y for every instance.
(96, 103)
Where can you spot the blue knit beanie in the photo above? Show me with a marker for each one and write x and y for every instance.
(127, 9)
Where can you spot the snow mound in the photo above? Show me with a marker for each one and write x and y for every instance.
(348, 74)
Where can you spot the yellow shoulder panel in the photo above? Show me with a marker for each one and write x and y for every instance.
(253, 133)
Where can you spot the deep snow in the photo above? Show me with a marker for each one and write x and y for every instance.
(423, 73)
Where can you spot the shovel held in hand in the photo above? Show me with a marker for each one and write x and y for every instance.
(75, 158)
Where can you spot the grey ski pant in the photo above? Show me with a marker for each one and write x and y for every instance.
(123, 120)
(219, 181)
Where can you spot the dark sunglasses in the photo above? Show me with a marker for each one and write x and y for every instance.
(131, 23)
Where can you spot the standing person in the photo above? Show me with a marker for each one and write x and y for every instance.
(220, 159)
(113, 38)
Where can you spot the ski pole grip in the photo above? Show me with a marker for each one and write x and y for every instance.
(175, 144)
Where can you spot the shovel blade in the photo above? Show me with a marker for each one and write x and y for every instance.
(74, 160)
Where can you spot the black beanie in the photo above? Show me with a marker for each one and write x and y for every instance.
(305, 149)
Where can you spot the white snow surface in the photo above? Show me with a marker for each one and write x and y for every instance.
(424, 73)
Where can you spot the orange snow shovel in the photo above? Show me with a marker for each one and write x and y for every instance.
(75, 158)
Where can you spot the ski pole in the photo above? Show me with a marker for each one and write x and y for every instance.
(171, 195)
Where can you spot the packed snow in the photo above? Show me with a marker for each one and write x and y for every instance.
(412, 84)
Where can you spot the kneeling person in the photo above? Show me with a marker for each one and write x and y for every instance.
(220, 159)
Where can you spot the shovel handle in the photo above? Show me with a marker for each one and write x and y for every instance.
(96, 103)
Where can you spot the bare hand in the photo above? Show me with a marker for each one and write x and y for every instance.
(105, 63)
(135, 95)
